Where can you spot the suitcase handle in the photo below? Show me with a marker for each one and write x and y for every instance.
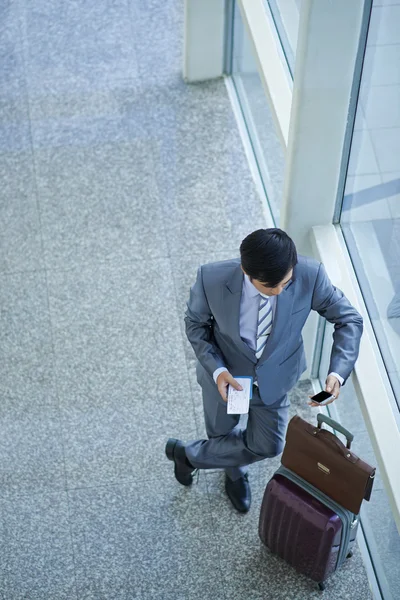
(335, 425)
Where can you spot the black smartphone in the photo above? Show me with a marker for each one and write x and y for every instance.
(322, 398)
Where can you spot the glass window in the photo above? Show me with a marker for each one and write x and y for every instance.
(257, 115)
(379, 527)
(370, 216)
(286, 15)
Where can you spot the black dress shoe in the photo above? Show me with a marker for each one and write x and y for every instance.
(239, 493)
(175, 451)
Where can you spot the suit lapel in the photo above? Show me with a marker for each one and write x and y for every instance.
(284, 305)
(233, 291)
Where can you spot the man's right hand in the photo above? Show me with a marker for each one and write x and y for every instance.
(223, 380)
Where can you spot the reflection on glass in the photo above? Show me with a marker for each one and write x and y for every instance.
(380, 529)
(370, 216)
(256, 112)
(286, 17)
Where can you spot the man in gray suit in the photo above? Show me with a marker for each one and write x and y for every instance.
(244, 318)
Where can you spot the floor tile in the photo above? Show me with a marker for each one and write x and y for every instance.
(31, 450)
(15, 133)
(85, 131)
(36, 551)
(10, 50)
(391, 566)
(15, 136)
(28, 381)
(98, 203)
(20, 236)
(299, 396)
(239, 220)
(121, 442)
(14, 116)
(53, 99)
(80, 114)
(158, 40)
(115, 315)
(87, 40)
(195, 163)
(115, 427)
(148, 539)
(25, 332)
(197, 398)
(96, 381)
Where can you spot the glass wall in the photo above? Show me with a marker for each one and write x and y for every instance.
(370, 215)
(370, 221)
(257, 115)
(377, 521)
(286, 14)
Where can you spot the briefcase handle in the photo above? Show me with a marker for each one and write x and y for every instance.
(335, 425)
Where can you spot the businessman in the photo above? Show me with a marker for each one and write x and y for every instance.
(244, 318)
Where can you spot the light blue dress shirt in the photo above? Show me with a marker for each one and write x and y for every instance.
(248, 319)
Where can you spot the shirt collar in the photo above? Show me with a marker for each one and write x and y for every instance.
(251, 290)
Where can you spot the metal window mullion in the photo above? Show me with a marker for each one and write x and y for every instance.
(355, 94)
(229, 35)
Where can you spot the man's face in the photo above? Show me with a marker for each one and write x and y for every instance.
(272, 291)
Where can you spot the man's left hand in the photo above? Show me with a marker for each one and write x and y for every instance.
(332, 386)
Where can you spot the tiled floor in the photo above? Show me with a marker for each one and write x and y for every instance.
(117, 180)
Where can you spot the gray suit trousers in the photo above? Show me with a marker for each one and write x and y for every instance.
(232, 447)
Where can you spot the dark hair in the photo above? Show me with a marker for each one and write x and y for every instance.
(268, 255)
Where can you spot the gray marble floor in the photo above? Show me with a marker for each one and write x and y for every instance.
(117, 181)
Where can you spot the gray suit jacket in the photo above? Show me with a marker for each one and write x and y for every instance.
(212, 327)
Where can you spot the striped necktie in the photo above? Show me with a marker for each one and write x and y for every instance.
(264, 325)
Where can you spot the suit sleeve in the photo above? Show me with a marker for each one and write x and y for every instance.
(198, 322)
(332, 304)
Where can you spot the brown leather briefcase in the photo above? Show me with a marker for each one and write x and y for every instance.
(320, 458)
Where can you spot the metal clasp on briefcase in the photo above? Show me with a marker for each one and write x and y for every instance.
(324, 469)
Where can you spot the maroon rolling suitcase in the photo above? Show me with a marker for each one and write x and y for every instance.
(304, 527)
(309, 514)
